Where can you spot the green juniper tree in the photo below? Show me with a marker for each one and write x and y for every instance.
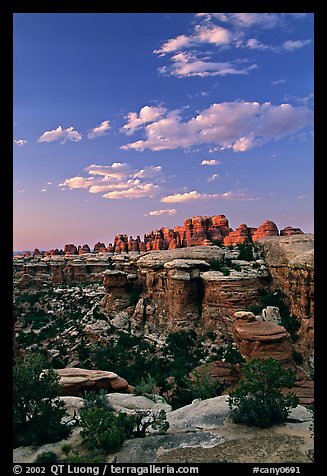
(37, 410)
(259, 400)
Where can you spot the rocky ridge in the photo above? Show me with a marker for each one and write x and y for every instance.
(201, 432)
(196, 231)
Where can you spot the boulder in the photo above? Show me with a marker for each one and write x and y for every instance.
(126, 402)
(258, 339)
(271, 314)
(74, 381)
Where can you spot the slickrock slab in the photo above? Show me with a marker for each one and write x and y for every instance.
(294, 250)
(157, 259)
(73, 381)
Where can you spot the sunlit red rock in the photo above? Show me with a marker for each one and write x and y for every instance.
(239, 236)
(268, 228)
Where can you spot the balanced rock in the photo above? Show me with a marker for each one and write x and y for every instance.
(259, 339)
(73, 381)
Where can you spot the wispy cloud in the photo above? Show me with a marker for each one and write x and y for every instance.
(194, 195)
(185, 64)
(157, 213)
(99, 130)
(205, 33)
(292, 45)
(60, 134)
(237, 125)
(210, 162)
(139, 191)
(213, 178)
(234, 33)
(43, 190)
(20, 142)
(248, 20)
(278, 81)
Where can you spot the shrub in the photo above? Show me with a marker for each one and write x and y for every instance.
(245, 252)
(95, 457)
(297, 356)
(96, 400)
(143, 419)
(232, 355)
(103, 429)
(217, 242)
(47, 457)
(37, 412)
(215, 265)
(147, 386)
(202, 385)
(225, 271)
(291, 324)
(259, 400)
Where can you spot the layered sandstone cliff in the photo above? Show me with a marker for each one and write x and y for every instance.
(290, 261)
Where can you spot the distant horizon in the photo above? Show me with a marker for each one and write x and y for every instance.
(127, 122)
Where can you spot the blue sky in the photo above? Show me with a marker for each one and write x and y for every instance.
(124, 123)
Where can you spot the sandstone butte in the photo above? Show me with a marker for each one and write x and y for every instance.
(196, 231)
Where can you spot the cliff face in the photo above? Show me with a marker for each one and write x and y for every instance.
(290, 263)
(177, 291)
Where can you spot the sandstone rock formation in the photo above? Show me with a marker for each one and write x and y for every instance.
(70, 249)
(290, 261)
(240, 235)
(98, 247)
(73, 381)
(268, 228)
(201, 432)
(289, 230)
(259, 339)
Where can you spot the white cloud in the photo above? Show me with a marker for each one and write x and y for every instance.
(99, 131)
(43, 190)
(157, 213)
(188, 65)
(115, 170)
(20, 142)
(205, 33)
(278, 81)
(237, 125)
(247, 20)
(254, 44)
(148, 172)
(292, 45)
(213, 34)
(77, 182)
(60, 134)
(213, 178)
(210, 162)
(144, 190)
(174, 44)
(20, 191)
(118, 179)
(194, 195)
(146, 115)
(49, 183)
